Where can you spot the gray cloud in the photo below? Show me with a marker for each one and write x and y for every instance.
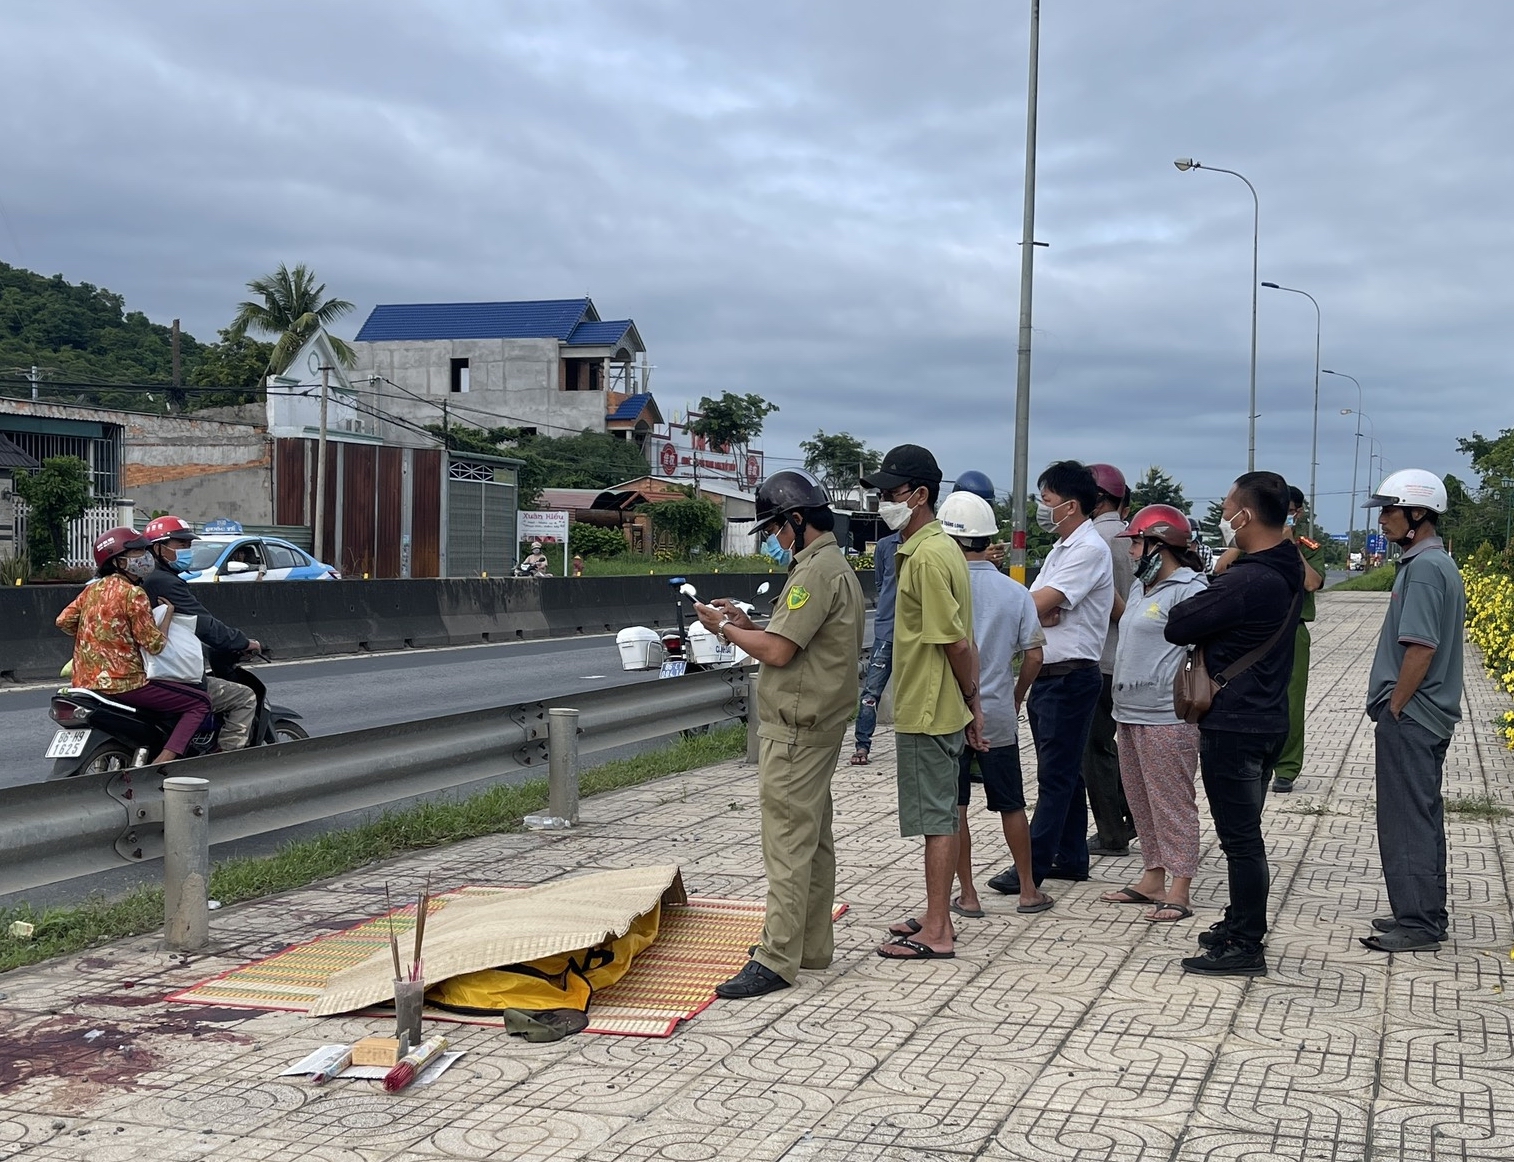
(822, 202)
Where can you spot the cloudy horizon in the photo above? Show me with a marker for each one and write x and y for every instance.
(821, 204)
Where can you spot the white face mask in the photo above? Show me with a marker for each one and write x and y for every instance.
(1228, 530)
(894, 513)
(1046, 515)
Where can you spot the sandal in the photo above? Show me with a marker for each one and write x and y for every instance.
(1184, 912)
(1041, 905)
(909, 927)
(1127, 896)
(914, 951)
(970, 913)
(859, 758)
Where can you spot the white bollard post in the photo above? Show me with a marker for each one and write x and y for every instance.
(186, 863)
(562, 764)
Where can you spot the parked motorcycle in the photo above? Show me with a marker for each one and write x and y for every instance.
(98, 734)
(687, 649)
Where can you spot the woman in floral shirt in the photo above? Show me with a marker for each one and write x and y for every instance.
(111, 622)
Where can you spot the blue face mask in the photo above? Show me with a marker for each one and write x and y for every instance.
(776, 552)
(184, 560)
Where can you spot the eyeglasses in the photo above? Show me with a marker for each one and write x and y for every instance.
(892, 494)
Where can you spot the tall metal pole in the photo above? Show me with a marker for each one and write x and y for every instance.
(318, 519)
(1314, 441)
(35, 377)
(1187, 163)
(1027, 271)
(1356, 454)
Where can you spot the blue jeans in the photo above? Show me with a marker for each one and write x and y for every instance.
(880, 666)
(1061, 714)
(1235, 767)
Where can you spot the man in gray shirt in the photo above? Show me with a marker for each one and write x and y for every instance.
(1414, 696)
(1114, 827)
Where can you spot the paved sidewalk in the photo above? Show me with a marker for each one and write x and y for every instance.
(1068, 1035)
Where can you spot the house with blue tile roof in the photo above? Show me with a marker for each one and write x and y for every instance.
(551, 364)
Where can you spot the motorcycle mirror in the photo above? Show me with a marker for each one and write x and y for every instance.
(688, 591)
(763, 588)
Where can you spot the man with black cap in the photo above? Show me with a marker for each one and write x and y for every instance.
(805, 695)
(936, 705)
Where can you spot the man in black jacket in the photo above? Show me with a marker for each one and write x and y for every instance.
(1246, 728)
(235, 703)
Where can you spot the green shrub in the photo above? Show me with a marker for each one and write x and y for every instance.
(1378, 580)
(594, 541)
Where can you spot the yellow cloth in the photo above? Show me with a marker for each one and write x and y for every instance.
(566, 980)
(934, 609)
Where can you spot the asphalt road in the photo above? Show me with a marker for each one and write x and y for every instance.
(351, 693)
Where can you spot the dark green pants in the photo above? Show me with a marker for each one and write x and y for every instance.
(1291, 761)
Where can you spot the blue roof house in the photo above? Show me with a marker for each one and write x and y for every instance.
(552, 364)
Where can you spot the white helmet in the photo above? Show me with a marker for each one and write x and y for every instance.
(1410, 488)
(964, 514)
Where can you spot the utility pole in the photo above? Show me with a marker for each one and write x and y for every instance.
(35, 377)
(318, 519)
(177, 381)
(1027, 269)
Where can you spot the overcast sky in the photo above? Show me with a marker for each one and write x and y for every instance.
(821, 202)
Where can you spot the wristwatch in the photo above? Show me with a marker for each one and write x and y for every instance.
(720, 629)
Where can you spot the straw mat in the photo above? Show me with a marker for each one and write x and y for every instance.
(699, 944)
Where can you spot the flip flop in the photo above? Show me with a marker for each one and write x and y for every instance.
(1184, 912)
(917, 951)
(1127, 896)
(910, 926)
(859, 758)
(970, 913)
(1041, 905)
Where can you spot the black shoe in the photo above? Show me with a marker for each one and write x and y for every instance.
(1064, 873)
(755, 980)
(1216, 934)
(1282, 786)
(1097, 848)
(1229, 959)
(1385, 923)
(1006, 882)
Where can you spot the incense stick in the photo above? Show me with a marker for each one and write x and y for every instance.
(421, 908)
(394, 944)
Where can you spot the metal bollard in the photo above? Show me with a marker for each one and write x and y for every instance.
(562, 763)
(186, 863)
(751, 715)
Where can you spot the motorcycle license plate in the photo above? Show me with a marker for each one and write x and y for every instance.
(67, 744)
(673, 668)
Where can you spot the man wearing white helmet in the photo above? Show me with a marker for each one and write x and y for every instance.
(1414, 697)
(1005, 623)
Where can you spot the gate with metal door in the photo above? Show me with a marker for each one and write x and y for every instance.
(481, 524)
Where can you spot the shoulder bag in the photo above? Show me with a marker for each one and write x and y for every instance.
(1193, 689)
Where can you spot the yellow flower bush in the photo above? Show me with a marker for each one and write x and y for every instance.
(1490, 625)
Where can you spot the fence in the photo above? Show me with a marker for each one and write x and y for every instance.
(83, 532)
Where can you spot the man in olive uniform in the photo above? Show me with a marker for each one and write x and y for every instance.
(805, 696)
(1291, 761)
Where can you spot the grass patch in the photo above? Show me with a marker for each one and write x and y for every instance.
(1478, 807)
(61, 931)
(1378, 580)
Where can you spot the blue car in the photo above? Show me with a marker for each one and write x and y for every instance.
(231, 557)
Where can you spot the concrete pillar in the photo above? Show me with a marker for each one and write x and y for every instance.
(562, 764)
(186, 863)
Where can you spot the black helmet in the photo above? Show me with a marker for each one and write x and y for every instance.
(785, 492)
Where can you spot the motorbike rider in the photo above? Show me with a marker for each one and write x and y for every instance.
(537, 561)
(170, 538)
(111, 623)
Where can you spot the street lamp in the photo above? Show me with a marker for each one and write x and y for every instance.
(1356, 451)
(1185, 164)
(1314, 441)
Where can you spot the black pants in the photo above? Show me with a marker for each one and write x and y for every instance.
(1235, 767)
(1101, 775)
(1411, 823)
(1060, 709)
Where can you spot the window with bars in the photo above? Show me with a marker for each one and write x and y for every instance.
(101, 453)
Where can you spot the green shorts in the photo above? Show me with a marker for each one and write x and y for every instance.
(928, 782)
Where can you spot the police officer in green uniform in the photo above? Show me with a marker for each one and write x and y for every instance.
(806, 692)
(1291, 761)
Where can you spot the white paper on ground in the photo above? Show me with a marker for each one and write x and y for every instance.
(328, 1055)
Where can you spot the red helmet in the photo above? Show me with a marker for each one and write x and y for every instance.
(1160, 522)
(1110, 480)
(117, 541)
(168, 528)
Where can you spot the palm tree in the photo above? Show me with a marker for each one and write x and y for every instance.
(293, 307)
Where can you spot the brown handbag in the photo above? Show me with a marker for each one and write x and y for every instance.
(1193, 689)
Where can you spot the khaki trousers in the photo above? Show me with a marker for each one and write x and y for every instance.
(238, 706)
(799, 855)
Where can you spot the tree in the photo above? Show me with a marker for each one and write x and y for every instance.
(56, 495)
(689, 523)
(1210, 525)
(596, 541)
(293, 307)
(732, 421)
(1156, 487)
(837, 460)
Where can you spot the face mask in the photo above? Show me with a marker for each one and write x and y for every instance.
(775, 552)
(1228, 530)
(1046, 516)
(1290, 521)
(184, 559)
(1149, 565)
(141, 564)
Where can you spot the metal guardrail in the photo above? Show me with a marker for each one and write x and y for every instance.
(59, 831)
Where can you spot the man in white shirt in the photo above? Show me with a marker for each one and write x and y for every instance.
(1074, 595)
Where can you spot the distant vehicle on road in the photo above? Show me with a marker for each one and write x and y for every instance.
(230, 557)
